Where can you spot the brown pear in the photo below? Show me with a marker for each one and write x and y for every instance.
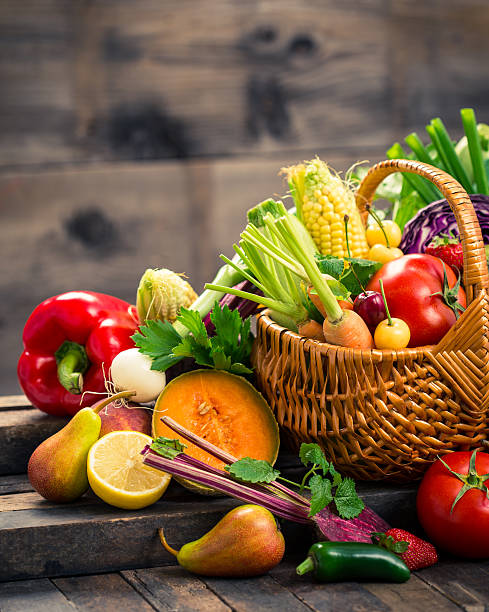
(246, 542)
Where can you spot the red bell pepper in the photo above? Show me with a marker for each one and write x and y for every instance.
(70, 341)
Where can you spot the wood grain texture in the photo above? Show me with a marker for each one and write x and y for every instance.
(107, 592)
(173, 588)
(464, 582)
(101, 81)
(21, 431)
(39, 595)
(82, 538)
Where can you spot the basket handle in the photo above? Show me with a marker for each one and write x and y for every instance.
(476, 277)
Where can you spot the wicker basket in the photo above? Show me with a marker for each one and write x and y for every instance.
(382, 414)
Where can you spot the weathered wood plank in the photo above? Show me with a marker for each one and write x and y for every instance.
(17, 483)
(21, 431)
(107, 592)
(104, 538)
(99, 81)
(110, 83)
(464, 582)
(411, 595)
(173, 588)
(14, 402)
(326, 597)
(38, 595)
(250, 594)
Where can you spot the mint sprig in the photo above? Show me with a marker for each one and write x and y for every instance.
(326, 487)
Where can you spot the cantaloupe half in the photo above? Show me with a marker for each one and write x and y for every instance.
(222, 408)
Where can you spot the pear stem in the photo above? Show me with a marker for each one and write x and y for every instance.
(112, 398)
(171, 550)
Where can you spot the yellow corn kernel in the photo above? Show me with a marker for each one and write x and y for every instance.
(324, 199)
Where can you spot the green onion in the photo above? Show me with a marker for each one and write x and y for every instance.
(445, 165)
(419, 184)
(458, 171)
(414, 142)
(473, 140)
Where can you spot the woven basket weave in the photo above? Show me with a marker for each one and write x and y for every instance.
(382, 414)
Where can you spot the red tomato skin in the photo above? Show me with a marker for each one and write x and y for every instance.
(465, 531)
(409, 283)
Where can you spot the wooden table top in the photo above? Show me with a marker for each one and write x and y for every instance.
(449, 585)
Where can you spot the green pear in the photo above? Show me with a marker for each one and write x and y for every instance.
(57, 469)
(246, 542)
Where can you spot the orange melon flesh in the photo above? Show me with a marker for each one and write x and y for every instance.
(222, 408)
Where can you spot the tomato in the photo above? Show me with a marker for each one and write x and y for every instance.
(409, 284)
(465, 530)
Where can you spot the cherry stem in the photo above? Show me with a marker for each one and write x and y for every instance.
(379, 223)
(389, 318)
(346, 218)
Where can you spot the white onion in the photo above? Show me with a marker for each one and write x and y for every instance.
(131, 369)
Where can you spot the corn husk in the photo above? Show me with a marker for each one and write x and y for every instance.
(161, 294)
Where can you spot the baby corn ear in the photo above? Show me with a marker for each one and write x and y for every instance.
(323, 199)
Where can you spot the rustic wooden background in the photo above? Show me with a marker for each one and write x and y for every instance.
(136, 134)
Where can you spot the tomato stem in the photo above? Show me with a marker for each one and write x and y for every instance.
(389, 318)
(472, 480)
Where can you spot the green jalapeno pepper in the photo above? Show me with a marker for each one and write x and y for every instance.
(337, 561)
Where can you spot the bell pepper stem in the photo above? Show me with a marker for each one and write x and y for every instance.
(306, 566)
(72, 361)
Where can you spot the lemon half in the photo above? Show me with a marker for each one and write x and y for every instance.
(117, 474)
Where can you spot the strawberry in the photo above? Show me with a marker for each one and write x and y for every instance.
(415, 552)
(448, 249)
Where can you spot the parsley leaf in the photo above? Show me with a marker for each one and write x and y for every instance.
(229, 349)
(252, 470)
(157, 339)
(346, 499)
(321, 494)
(167, 447)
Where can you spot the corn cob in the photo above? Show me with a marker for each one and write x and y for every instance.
(322, 200)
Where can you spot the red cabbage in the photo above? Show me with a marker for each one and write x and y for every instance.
(437, 218)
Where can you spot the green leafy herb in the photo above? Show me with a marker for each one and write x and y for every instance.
(229, 349)
(167, 447)
(253, 470)
(325, 488)
(312, 453)
(321, 494)
(359, 271)
(157, 339)
(346, 499)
